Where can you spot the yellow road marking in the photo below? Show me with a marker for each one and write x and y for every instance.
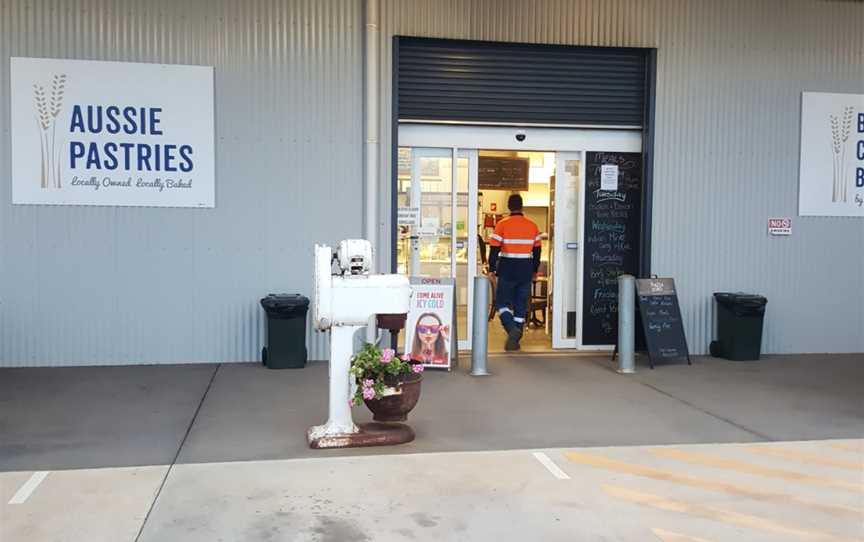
(855, 446)
(706, 483)
(697, 458)
(669, 536)
(721, 515)
(804, 457)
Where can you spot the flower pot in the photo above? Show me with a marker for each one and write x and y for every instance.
(401, 396)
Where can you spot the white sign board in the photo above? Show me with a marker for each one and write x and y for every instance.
(409, 216)
(831, 179)
(780, 226)
(428, 330)
(429, 227)
(112, 133)
(609, 177)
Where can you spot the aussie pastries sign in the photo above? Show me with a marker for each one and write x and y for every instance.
(832, 155)
(112, 133)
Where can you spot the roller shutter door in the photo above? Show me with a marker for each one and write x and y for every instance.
(513, 83)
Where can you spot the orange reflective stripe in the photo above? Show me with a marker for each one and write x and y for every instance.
(517, 235)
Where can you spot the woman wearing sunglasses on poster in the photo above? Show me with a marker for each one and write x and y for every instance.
(430, 340)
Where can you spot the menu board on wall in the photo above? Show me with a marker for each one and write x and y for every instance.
(612, 226)
(503, 173)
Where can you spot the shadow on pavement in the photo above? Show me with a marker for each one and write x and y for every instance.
(82, 417)
(68, 418)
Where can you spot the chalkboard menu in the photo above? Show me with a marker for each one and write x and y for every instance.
(503, 173)
(612, 224)
(661, 319)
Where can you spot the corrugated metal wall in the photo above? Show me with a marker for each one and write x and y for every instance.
(85, 285)
(99, 285)
(729, 82)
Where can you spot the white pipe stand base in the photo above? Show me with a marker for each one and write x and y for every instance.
(368, 434)
(340, 431)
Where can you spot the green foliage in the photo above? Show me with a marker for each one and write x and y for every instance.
(373, 368)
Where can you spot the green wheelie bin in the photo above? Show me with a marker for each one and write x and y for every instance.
(740, 319)
(286, 331)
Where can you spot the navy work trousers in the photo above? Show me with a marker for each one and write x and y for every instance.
(511, 300)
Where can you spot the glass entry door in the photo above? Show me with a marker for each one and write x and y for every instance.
(567, 252)
(439, 242)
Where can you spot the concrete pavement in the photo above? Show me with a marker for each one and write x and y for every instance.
(83, 417)
(138, 416)
(90, 505)
(217, 452)
(743, 492)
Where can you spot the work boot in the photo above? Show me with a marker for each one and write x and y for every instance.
(513, 338)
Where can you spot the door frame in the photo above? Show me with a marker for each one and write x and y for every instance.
(458, 138)
(559, 316)
(455, 154)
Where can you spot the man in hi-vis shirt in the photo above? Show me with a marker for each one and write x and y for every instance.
(514, 257)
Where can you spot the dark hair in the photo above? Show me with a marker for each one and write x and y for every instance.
(514, 202)
(439, 349)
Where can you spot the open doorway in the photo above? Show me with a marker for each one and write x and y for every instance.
(449, 240)
(530, 174)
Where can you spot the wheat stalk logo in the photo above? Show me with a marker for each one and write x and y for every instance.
(841, 126)
(48, 105)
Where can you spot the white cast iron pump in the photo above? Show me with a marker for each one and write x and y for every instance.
(345, 301)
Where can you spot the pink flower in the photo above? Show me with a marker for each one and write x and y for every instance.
(368, 393)
(405, 357)
(350, 403)
(387, 355)
(417, 368)
(368, 383)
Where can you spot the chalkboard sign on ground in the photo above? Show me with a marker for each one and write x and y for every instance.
(661, 319)
(612, 228)
(503, 173)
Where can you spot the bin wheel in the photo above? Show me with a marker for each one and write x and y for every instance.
(264, 356)
(714, 349)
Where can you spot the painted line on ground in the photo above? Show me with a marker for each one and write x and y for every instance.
(721, 515)
(550, 466)
(24, 492)
(707, 484)
(668, 536)
(855, 446)
(696, 458)
(807, 458)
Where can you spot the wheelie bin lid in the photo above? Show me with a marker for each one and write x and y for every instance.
(741, 302)
(285, 305)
